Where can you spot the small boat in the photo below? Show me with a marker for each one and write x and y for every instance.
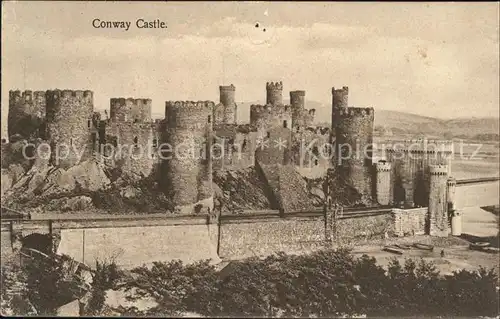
(403, 246)
(392, 249)
(423, 246)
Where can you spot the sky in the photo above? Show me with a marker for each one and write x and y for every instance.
(433, 59)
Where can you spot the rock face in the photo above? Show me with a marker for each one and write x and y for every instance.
(88, 175)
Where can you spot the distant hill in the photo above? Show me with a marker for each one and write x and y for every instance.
(394, 123)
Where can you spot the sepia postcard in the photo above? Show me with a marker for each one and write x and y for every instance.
(250, 159)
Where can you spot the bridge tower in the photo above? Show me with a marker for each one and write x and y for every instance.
(383, 186)
(438, 213)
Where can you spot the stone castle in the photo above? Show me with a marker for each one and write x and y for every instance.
(412, 175)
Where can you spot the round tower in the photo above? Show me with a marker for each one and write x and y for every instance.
(383, 186)
(297, 102)
(274, 94)
(339, 101)
(438, 213)
(130, 110)
(227, 114)
(186, 169)
(451, 184)
(69, 121)
(26, 114)
(354, 141)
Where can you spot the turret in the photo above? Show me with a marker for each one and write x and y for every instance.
(383, 186)
(438, 213)
(274, 92)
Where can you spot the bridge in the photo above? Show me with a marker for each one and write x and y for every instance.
(138, 239)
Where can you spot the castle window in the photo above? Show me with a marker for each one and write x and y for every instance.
(136, 141)
(88, 123)
(209, 119)
(285, 124)
(136, 120)
(268, 134)
(315, 162)
(71, 141)
(244, 144)
(298, 129)
(155, 142)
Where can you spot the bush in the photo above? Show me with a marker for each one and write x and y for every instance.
(325, 283)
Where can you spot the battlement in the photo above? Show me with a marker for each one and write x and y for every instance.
(191, 105)
(278, 86)
(70, 94)
(421, 146)
(383, 166)
(343, 90)
(233, 127)
(297, 93)
(312, 112)
(130, 100)
(319, 130)
(270, 109)
(28, 95)
(188, 114)
(356, 111)
(438, 169)
(227, 88)
(451, 181)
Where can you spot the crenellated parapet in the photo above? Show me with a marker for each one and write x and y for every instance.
(189, 114)
(383, 166)
(421, 146)
(274, 86)
(269, 116)
(26, 113)
(357, 112)
(130, 109)
(438, 170)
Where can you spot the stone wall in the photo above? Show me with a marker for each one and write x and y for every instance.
(134, 246)
(275, 147)
(234, 146)
(259, 237)
(134, 152)
(310, 147)
(409, 221)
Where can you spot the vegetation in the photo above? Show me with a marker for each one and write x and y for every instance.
(325, 283)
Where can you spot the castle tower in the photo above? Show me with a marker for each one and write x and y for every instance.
(26, 114)
(130, 110)
(383, 186)
(354, 141)
(226, 111)
(274, 92)
(186, 175)
(339, 101)
(69, 121)
(438, 213)
(297, 102)
(451, 185)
